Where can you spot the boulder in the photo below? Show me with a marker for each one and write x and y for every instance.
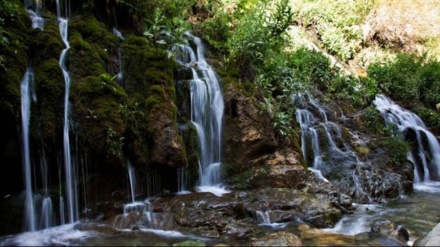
(430, 239)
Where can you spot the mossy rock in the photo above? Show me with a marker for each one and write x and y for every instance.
(190, 139)
(46, 44)
(84, 59)
(14, 52)
(136, 40)
(97, 101)
(145, 66)
(50, 90)
(94, 31)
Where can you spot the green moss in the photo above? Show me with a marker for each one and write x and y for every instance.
(50, 89)
(190, 139)
(94, 31)
(97, 101)
(136, 40)
(84, 58)
(46, 44)
(157, 90)
(15, 35)
(153, 101)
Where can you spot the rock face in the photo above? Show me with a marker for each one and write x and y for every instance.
(248, 134)
(168, 148)
(253, 157)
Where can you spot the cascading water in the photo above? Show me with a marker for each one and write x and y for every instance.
(264, 217)
(70, 178)
(120, 75)
(426, 153)
(37, 20)
(33, 202)
(132, 178)
(206, 114)
(25, 116)
(311, 126)
(318, 131)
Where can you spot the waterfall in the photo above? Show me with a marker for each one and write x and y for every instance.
(25, 116)
(426, 155)
(120, 75)
(182, 180)
(132, 178)
(319, 143)
(70, 178)
(206, 114)
(37, 20)
(313, 120)
(264, 217)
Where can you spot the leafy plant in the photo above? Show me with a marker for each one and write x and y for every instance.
(257, 34)
(337, 23)
(396, 148)
(398, 79)
(8, 12)
(165, 31)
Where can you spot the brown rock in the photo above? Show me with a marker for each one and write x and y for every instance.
(248, 134)
(167, 145)
(278, 239)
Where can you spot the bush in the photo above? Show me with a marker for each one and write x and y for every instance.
(396, 148)
(259, 33)
(398, 79)
(312, 67)
(411, 80)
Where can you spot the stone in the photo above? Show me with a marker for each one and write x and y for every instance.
(430, 239)
(281, 238)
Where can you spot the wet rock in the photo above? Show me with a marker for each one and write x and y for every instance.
(316, 211)
(385, 229)
(316, 237)
(281, 238)
(430, 239)
(236, 214)
(242, 228)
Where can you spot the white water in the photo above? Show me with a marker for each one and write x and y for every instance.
(64, 235)
(404, 120)
(70, 178)
(132, 178)
(206, 114)
(311, 125)
(25, 116)
(319, 143)
(120, 75)
(117, 33)
(360, 221)
(264, 218)
(37, 20)
(182, 179)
